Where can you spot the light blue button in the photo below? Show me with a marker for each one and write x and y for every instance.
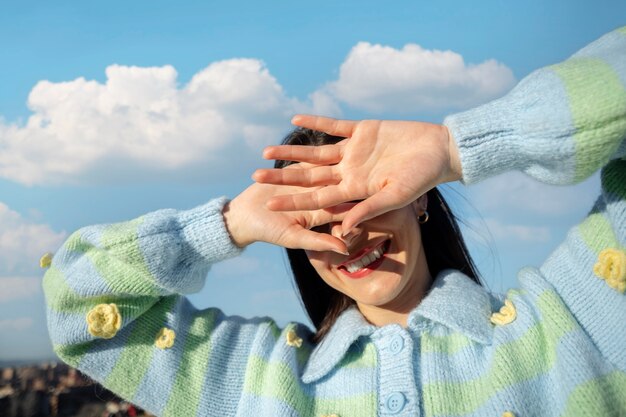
(396, 344)
(395, 402)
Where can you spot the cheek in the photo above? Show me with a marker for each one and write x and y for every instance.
(321, 261)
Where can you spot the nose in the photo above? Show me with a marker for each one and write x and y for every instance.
(335, 230)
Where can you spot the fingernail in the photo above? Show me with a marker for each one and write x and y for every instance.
(346, 233)
(340, 252)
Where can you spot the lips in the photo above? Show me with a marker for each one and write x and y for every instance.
(366, 261)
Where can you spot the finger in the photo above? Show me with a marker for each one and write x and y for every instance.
(311, 177)
(320, 155)
(335, 127)
(314, 200)
(310, 240)
(331, 214)
(383, 201)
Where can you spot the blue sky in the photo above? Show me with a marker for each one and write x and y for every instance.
(110, 110)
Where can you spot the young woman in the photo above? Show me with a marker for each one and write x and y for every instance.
(397, 336)
(411, 244)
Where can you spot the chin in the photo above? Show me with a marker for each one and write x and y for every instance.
(380, 293)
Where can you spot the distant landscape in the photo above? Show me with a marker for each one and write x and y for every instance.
(53, 389)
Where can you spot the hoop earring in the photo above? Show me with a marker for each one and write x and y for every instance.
(422, 218)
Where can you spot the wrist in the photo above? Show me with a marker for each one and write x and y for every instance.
(203, 231)
(456, 170)
(233, 224)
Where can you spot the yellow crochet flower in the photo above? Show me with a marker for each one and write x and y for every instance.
(165, 338)
(506, 314)
(329, 415)
(293, 339)
(104, 321)
(46, 260)
(611, 267)
(508, 414)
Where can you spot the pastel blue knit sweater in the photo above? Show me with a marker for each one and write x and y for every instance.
(554, 347)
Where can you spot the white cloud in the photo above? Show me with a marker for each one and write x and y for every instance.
(16, 288)
(21, 323)
(380, 78)
(510, 233)
(140, 124)
(23, 242)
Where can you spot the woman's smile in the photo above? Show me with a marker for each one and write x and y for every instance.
(365, 261)
(386, 267)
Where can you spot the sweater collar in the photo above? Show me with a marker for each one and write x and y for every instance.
(454, 301)
(349, 326)
(458, 303)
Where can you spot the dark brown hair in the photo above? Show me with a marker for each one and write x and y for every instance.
(443, 244)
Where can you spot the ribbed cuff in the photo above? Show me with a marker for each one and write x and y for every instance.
(487, 141)
(205, 231)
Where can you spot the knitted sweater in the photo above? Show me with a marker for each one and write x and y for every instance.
(554, 347)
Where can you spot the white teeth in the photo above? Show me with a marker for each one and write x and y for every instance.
(365, 260)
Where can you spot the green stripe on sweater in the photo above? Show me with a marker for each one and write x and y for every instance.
(597, 233)
(555, 315)
(598, 106)
(600, 397)
(130, 307)
(120, 262)
(447, 345)
(262, 377)
(63, 299)
(76, 243)
(189, 385)
(529, 356)
(72, 354)
(360, 355)
(60, 296)
(138, 351)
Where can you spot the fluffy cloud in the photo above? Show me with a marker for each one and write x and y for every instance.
(22, 242)
(141, 124)
(379, 78)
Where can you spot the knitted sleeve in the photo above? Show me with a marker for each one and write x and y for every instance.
(116, 312)
(560, 125)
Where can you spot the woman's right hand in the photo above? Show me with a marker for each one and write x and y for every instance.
(248, 220)
(384, 164)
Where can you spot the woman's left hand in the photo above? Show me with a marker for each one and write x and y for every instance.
(387, 164)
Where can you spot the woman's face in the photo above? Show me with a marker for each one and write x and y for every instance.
(386, 267)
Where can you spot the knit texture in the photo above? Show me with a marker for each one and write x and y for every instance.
(554, 347)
